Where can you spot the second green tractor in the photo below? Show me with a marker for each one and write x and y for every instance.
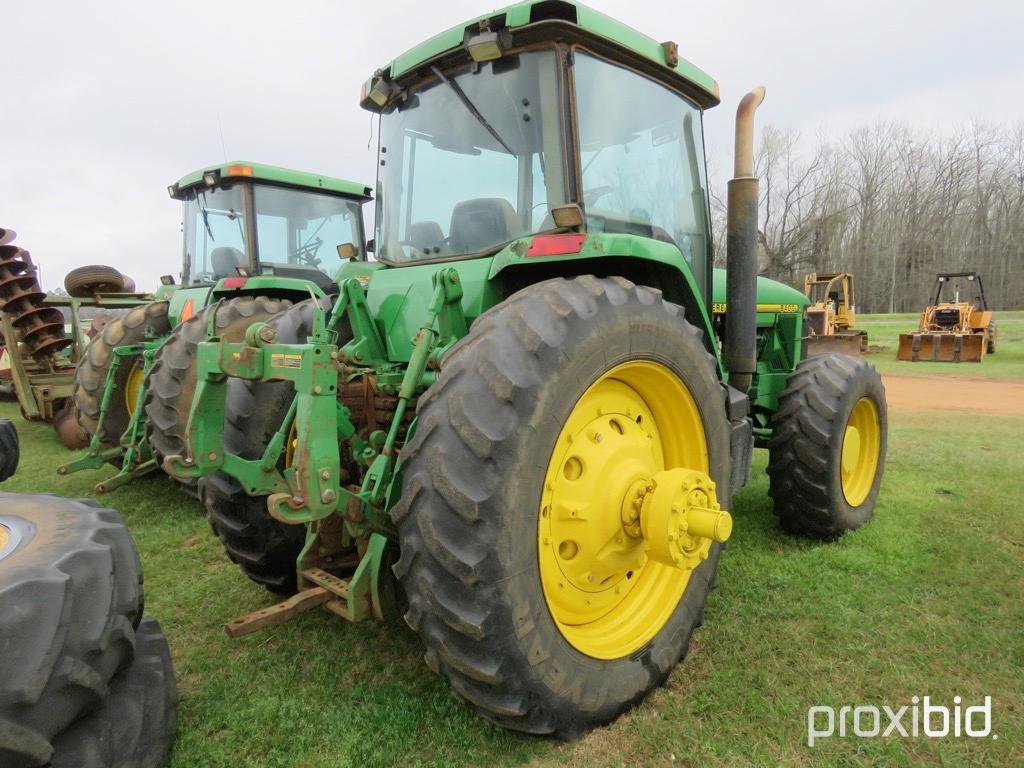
(521, 426)
(257, 238)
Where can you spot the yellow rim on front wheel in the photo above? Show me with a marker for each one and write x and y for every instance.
(133, 388)
(862, 444)
(627, 511)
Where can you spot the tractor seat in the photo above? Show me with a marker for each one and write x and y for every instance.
(482, 222)
(426, 236)
(224, 260)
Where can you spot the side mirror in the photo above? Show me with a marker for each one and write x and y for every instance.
(347, 251)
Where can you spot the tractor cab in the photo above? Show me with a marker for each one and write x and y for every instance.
(531, 128)
(244, 219)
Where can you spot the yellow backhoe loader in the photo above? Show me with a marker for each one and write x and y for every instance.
(831, 315)
(959, 331)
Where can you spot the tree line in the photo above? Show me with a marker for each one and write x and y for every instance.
(893, 205)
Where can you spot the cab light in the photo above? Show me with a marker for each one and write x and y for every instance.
(556, 245)
(239, 170)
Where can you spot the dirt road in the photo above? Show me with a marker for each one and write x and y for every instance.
(954, 393)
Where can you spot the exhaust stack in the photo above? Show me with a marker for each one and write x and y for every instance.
(740, 348)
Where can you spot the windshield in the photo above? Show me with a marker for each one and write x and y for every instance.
(214, 235)
(294, 228)
(304, 229)
(642, 159)
(471, 162)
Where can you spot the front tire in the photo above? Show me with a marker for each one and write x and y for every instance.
(476, 501)
(264, 548)
(827, 450)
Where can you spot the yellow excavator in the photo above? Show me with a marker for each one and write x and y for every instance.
(831, 315)
(959, 331)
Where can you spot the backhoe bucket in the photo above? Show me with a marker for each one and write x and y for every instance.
(942, 347)
(851, 343)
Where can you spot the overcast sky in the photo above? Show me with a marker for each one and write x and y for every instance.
(102, 104)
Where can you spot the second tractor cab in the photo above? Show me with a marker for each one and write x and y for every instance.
(831, 315)
(244, 219)
(256, 239)
(957, 331)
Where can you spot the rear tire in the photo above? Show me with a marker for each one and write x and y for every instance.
(806, 451)
(264, 548)
(172, 379)
(136, 727)
(474, 477)
(70, 599)
(991, 336)
(84, 282)
(91, 374)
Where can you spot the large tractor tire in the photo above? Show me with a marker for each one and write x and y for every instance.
(827, 450)
(991, 338)
(541, 503)
(172, 379)
(70, 599)
(10, 451)
(136, 727)
(91, 374)
(262, 547)
(85, 282)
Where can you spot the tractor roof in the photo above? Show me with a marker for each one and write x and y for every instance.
(581, 24)
(243, 169)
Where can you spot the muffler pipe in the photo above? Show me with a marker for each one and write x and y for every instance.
(740, 348)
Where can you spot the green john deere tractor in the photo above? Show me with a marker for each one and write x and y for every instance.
(522, 425)
(256, 239)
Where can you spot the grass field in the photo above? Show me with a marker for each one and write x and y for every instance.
(926, 600)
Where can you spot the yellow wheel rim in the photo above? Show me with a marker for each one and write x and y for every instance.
(5, 536)
(133, 388)
(603, 587)
(291, 444)
(862, 444)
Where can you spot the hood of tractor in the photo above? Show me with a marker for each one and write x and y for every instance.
(772, 296)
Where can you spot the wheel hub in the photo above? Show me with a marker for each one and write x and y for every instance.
(681, 517)
(612, 515)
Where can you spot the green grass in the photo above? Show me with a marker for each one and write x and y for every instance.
(883, 337)
(927, 599)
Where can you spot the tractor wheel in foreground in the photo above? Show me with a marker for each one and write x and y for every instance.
(10, 452)
(84, 282)
(559, 527)
(991, 338)
(827, 450)
(172, 379)
(70, 599)
(264, 548)
(91, 374)
(136, 727)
